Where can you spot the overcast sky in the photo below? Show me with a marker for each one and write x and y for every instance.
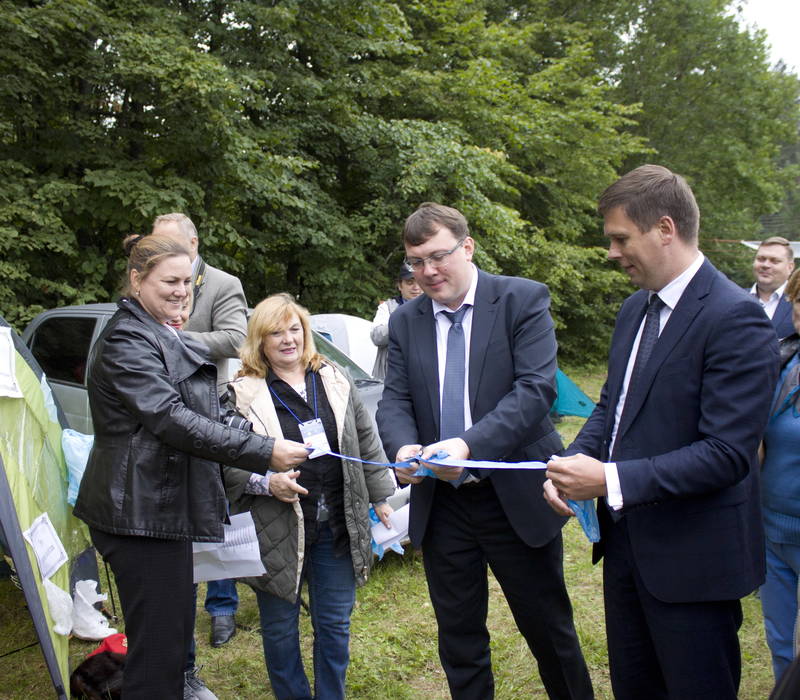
(781, 20)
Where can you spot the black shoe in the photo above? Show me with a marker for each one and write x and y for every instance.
(223, 627)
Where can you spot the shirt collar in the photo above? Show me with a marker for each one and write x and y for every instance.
(469, 299)
(777, 294)
(671, 294)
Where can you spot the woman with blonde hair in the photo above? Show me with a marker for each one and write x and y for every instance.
(313, 521)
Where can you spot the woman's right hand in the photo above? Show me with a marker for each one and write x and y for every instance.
(284, 486)
(287, 454)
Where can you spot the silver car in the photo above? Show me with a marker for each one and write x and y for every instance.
(61, 339)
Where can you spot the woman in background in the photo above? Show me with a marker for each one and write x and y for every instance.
(780, 480)
(313, 522)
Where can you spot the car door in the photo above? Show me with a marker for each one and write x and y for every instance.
(60, 343)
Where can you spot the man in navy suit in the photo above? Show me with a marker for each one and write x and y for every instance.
(671, 451)
(772, 266)
(485, 397)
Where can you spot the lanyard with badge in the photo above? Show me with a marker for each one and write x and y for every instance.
(313, 431)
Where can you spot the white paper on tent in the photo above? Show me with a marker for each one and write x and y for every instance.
(399, 532)
(8, 373)
(236, 557)
(46, 545)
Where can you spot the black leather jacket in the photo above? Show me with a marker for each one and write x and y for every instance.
(154, 468)
(788, 347)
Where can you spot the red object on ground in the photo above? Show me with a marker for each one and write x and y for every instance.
(118, 643)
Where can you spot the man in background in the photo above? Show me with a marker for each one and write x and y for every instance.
(219, 309)
(772, 266)
(218, 319)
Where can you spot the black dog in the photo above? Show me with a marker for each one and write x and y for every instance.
(98, 677)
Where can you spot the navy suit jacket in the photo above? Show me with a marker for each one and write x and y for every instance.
(782, 319)
(512, 365)
(686, 452)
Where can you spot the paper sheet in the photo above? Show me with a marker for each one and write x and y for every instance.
(46, 545)
(399, 531)
(236, 557)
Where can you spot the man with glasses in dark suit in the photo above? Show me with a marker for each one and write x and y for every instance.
(471, 372)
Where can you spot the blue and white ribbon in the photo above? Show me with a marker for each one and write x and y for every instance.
(584, 510)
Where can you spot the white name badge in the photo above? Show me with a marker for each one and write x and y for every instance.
(314, 436)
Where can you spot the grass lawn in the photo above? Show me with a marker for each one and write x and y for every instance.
(393, 644)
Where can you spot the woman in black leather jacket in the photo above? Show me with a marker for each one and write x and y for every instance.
(153, 483)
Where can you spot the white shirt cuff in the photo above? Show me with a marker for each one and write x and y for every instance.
(613, 489)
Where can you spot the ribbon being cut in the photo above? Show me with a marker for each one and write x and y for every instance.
(584, 510)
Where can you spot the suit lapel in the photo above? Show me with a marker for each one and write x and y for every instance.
(423, 342)
(689, 305)
(484, 316)
(198, 279)
(782, 313)
(620, 353)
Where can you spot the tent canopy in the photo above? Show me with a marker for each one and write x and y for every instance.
(33, 480)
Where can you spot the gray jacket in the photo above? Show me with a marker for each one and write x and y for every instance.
(219, 316)
(280, 525)
(380, 335)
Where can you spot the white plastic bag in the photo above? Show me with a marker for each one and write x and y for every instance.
(87, 621)
(60, 605)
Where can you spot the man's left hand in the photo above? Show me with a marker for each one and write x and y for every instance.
(577, 477)
(455, 448)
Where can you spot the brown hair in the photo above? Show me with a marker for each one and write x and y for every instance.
(779, 240)
(792, 290)
(650, 192)
(428, 218)
(146, 252)
(268, 316)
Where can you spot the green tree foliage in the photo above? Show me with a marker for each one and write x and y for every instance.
(712, 108)
(298, 134)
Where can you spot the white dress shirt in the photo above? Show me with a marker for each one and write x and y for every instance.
(771, 305)
(670, 295)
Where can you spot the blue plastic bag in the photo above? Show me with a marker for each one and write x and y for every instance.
(378, 549)
(587, 517)
(77, 447)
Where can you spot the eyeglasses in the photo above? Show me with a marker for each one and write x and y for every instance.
(436, 260)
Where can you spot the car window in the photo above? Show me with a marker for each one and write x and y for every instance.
(61, 346)
(327, 348)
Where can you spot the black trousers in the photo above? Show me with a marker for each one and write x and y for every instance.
(154, 581)
(658, 650)
(468, 530)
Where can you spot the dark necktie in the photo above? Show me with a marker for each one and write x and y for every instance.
(452, 419)
(646, 344)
